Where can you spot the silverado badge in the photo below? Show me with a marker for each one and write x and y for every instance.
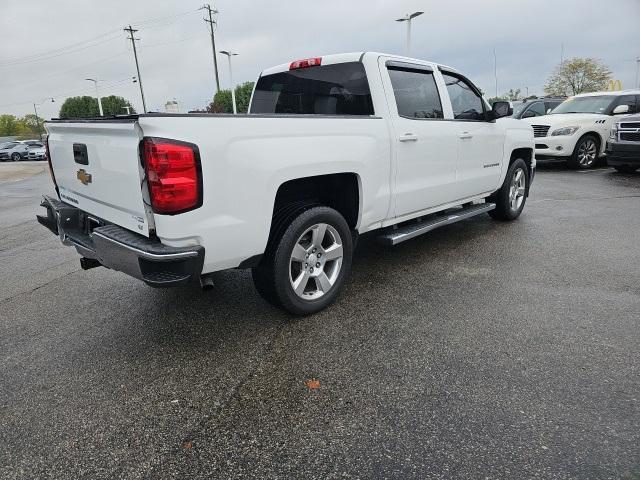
(83, 176)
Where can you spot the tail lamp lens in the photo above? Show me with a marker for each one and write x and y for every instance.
(173, 175)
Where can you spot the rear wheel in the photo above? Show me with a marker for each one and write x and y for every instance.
(16, 157)
(625, 168)
(306, 266)
(512, 196)
(585, 154)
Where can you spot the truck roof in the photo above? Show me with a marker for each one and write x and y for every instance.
(353, 57)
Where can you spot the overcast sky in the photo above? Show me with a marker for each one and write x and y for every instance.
(175, 49)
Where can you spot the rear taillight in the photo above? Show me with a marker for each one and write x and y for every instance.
(307, 62)
(48, 155)
(173, 175)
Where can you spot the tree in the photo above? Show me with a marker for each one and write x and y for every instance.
(8, 125)
(33, 123)
(513, 95)
(114, 105)
(85, 106)
(578, 75)
(223, 103)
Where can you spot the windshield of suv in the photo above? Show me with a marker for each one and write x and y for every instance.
(596, 104)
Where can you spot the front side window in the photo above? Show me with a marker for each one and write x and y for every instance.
(630, 101)
(416, 93)
(466, 103)
(338, 89)
(538, 109)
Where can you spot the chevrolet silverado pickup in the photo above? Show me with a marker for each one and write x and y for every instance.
(332, 147)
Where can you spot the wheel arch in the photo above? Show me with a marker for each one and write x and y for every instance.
(340, 191)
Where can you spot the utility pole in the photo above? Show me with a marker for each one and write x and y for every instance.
(407, 18)
(211, 23)
(135, 56)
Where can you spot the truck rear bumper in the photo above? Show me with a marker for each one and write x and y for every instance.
(114, 247)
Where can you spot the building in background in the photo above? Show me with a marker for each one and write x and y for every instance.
(171, 107)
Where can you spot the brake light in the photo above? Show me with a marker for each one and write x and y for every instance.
(173, 175)
(48, 155)
(307, 62)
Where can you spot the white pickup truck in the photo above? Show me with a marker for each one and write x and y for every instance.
(331, 148)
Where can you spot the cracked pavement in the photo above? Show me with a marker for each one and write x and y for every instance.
(481, 350)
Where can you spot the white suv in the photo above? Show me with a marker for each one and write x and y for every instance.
(577, 130)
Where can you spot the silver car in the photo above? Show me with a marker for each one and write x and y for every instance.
(14, 151)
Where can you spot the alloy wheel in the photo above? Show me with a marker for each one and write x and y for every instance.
(587, 152)
(316, 261)
(517, 189)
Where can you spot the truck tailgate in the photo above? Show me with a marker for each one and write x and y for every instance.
(97, 168)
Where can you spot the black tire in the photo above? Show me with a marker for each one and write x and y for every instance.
(16, 157)
(625, 168)
(587, 142)
(273, 277)
(502, 198)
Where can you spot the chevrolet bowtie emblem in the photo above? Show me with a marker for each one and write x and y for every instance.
(83, 176)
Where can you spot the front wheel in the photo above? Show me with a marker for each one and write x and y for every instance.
(585, 155)
(304, 270)
(512, 196)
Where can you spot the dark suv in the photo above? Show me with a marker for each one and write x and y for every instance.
(536, 107)
(623, 145)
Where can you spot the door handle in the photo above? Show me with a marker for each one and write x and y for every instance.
(464, 135)
(409, 137)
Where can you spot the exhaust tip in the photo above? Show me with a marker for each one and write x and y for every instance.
(206, 283)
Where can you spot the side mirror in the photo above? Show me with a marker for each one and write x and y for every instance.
(620, 109)
(529, 114)
(501, 109)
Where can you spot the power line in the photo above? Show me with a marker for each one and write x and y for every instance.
(135, 56)
(59, 54)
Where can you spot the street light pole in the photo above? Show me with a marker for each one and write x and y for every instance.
(408, 18)
(95, 82)
(637, 72)
(230, 54)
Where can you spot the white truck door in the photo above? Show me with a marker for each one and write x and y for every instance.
(481, 144)
(425, 144)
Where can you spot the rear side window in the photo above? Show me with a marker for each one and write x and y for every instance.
(339, 89)
(416, 93)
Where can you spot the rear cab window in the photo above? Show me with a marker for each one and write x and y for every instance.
(337, 89)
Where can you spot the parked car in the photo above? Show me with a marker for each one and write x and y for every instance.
(333, 147)
(14, 151)
(576, 131)
(37, 152)
(535, 107)
(623, 146)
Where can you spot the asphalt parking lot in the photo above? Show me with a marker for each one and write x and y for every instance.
(482, 350)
